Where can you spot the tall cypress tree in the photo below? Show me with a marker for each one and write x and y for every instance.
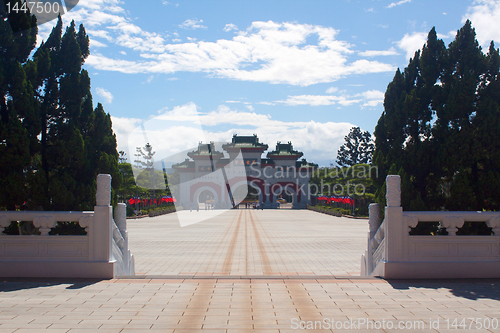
(17, 39)
(53, 143)
(440, 126)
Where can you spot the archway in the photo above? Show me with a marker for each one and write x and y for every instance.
(205, 195)
(206, 199)
(285, 195)
(247, 194)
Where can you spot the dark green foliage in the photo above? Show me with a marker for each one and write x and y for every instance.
(12, 229)
(428, 229)
(354, 182)
(475, 228)
(53, 143)
(358, 148)
(440, 129)
(67, 228)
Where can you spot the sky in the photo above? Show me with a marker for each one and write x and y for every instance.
(174, 73)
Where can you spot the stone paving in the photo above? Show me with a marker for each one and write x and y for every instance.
(248, 242)
(248, 305)
(232, 303)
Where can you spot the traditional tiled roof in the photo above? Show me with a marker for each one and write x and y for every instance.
(284, 151)
(205, 150)
(186, 164)
(266, 161)
(304, 164)
(245, 142)
(223, 162)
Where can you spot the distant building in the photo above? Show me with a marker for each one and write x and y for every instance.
(207, 173)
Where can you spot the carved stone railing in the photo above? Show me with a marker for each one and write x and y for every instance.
(453, 221)
(121, 252)
(375, 248)
(393, 253)
(101, 253)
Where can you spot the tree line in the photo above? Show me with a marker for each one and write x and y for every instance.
(440, 129)
(53, 142)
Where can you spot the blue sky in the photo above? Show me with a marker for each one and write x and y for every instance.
(299, 71)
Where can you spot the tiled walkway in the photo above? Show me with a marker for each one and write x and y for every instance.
(265, 244)
(248, 243)
(244, 305)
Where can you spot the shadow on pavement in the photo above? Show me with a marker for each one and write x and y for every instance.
(472, 289)
(12, 284)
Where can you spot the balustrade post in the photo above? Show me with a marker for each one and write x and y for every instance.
(121, 219)
(103, 211)
(394, 227)
(375, 218)
(121, 222)
(374, 222)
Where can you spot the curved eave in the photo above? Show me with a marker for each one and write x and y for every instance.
(245, 149)
(284, 157)
(184, 169)
(205, 157)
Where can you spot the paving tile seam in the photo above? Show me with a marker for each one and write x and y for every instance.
(262, 251)
(251, 277)
(228, 261)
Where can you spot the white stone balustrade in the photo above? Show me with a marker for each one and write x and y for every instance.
(394, 253)
(82, 256)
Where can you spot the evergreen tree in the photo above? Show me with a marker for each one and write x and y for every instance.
(358, 148)
(17, 39)
(53, 143)
(439, 129)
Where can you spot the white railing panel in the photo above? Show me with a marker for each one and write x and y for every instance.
(102, 253)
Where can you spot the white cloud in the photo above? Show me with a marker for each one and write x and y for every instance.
(108, 97)
(485, 17)
(95, 43)
(122, 127)
(394, 4)
(390, 52)
(265, 52)
(192, 24)
(372, 97)
(230, 26)
(184, 126)
(412, 42)
(373, 94)
(318, 100)
(416, 40)
(279, 53)
(331, 90)
(368, 98)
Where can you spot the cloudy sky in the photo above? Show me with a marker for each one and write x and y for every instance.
(178, 72)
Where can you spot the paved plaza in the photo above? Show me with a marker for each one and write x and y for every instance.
(248, 242)
(248, 271)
